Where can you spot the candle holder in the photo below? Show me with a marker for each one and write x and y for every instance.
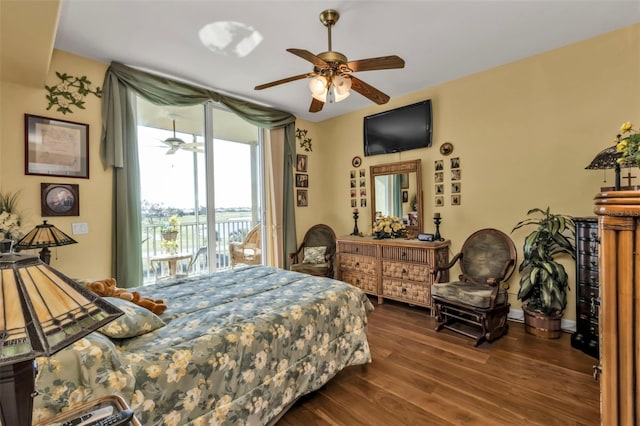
(437, 237)
(355, 223)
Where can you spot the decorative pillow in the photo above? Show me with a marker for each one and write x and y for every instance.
(314, 255)
(136, 320)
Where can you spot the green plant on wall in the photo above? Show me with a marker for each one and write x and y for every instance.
(71, 91)
(305, 142)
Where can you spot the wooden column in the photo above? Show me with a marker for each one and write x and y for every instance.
(619, 262)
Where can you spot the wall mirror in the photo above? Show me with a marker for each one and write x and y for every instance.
(396, 190)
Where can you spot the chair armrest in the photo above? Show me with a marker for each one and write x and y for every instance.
(438, 270)
(294, 256)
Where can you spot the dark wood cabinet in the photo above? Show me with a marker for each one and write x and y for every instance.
(586, 337)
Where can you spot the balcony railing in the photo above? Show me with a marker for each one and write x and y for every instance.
(191, 238)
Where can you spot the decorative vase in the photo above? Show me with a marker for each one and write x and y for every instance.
(541, 325)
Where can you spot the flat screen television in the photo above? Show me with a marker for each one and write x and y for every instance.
(400, 129)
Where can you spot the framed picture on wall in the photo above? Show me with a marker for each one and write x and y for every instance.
(56, 147)
(302, 198)
(301, 163)
(302, 180)
(59, 199)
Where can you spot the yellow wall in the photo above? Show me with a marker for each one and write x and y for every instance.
(91, 257)
(524, 133)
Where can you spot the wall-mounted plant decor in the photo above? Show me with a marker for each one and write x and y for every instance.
(305, 142)
(71, 91)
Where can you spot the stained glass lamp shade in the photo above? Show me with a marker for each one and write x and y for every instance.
(41, 312)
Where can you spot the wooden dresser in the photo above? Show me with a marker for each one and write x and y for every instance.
(587, 335)
(395, 269)
(619, 226)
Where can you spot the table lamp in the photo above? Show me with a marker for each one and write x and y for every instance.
(607, 159)
(41, 312)
(44, 236)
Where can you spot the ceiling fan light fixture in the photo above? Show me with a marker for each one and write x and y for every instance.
(318, 87)
(342, 87)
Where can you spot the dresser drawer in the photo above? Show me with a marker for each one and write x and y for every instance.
(407, 271)
(588, 276)
(588, 260)
(408, 292)
(367, 283)
(359, 249)
(588, 246)
(407, 254)
(587, 292)
(355, 263)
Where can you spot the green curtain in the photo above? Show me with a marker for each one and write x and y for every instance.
(118, 149)
(396, 197)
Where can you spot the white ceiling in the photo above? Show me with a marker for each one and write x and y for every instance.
(439, 40)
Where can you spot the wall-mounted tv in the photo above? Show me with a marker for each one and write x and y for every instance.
(400, 129)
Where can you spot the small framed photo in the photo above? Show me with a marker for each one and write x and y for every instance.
(56, 147)
(363, 192)
(362, 173)
(363, 202)
(455, 163)
(439, 201)
(455, 200)
(353, 193)
(353, 174)
(439, 165)
(440, 189)
(455, 174)
(59, 199)
(439, 177)
(405, 196)
(455, 187)
(363, 183)
(301, 163)
(302, 180)
(404, 181)
(354, 202)
(302, 198)
(353, 183)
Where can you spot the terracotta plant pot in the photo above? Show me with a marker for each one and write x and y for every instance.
(540, 325)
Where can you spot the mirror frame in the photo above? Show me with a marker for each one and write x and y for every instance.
(400, 167)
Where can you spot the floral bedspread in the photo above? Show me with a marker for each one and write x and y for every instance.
(238, 348)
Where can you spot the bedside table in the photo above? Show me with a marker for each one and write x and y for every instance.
(112, 401)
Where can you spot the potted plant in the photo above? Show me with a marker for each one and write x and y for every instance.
(170, 235)
(543, 281)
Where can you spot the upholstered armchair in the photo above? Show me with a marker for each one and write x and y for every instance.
(476, 305)
(316, 253)
(249, 251)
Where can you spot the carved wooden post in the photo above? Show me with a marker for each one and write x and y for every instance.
(619, 226)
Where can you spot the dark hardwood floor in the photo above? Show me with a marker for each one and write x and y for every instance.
(420, 377)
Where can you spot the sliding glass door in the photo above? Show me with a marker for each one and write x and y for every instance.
(200, 170)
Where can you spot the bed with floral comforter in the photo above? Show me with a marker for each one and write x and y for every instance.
(238, 347)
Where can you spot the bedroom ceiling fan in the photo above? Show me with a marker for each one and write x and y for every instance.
(176, 143)
(332, 78)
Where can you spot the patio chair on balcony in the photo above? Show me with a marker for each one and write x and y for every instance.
(248, 252)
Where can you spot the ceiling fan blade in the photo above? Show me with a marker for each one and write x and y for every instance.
(368, 91)
(316, 105)
(308, 56)
(284, 80)
(172, 150)
(381, 63)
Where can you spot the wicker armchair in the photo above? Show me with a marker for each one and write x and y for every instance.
(248, 252)
(316, 254)
(477, 305)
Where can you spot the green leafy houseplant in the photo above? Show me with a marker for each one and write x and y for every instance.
(544, 281)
